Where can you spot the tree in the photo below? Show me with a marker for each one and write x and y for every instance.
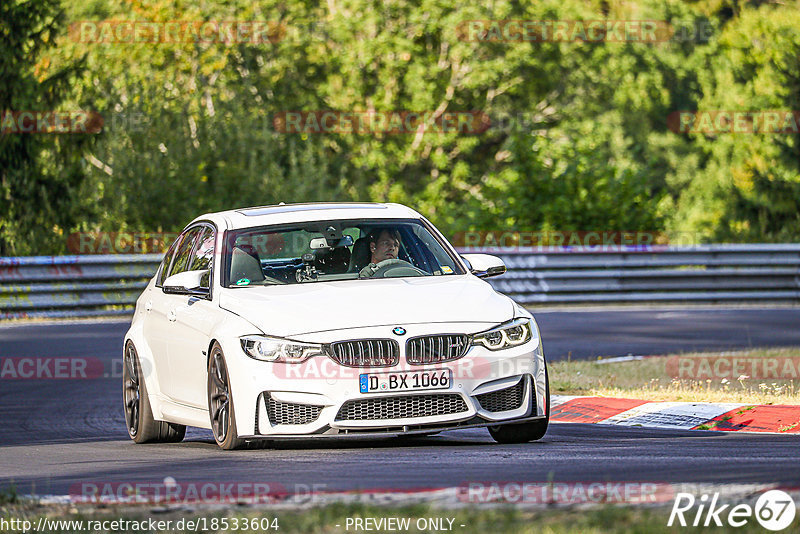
(39, 173)
(748, 185)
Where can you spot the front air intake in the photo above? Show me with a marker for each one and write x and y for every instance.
(290, 413)
(504, 399)
(401, 407)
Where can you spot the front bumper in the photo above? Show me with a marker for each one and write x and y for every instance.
(322, 398)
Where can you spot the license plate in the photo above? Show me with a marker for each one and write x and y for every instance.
(410, 381)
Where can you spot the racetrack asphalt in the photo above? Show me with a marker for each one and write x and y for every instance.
(55, 434)
(574, 333)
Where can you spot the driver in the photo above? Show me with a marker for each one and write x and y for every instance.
(384, 244)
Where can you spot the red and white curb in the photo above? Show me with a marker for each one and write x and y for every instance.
(533, 494)
(727, 417)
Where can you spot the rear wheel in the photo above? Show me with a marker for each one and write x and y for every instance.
(220, 402)
(142, 428)
(525, 432)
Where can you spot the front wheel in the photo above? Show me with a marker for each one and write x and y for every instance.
(525, 432)
(142, 428)
(220, 403)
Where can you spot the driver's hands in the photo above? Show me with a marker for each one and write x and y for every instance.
(371, 269)
(368, 271)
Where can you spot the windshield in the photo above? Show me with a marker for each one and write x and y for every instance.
(334, 250)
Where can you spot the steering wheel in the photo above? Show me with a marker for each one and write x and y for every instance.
(392, 265)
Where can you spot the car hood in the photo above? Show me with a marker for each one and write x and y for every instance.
(296, 309)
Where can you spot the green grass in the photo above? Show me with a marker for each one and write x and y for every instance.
(648, 379)
(9, 495)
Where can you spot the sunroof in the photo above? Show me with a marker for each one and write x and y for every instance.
(269, 210)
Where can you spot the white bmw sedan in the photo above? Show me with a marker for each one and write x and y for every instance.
(315, 320)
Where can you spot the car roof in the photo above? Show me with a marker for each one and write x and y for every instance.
(317, 211)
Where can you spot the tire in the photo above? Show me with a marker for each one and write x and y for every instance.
(220, 402)
(142, 428)
(524, 432)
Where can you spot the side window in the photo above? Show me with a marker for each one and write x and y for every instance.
(353, 232)
(203, 254)
(184, 251)
(162, 273)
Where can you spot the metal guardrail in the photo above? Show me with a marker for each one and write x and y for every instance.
(74, 286)
(699, 273)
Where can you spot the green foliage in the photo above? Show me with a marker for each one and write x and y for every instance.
(9, 495)
(578, 141)
(39, 173)
(750, 182)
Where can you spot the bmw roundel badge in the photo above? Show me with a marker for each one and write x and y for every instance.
(399, 331)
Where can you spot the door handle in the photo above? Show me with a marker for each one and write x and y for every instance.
(148, 305)
(171, 316)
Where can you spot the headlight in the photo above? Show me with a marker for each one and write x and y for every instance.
(517, 332)
(273, 349)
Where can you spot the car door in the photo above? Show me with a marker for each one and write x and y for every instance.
(154, 325)
(194, 318)
(162, 313)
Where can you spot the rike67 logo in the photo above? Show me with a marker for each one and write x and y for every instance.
(774, 510)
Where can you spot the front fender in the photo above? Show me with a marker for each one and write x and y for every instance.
(148, 369)
(227, 334)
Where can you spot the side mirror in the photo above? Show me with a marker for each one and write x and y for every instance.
(188, 283)
(484, 265)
